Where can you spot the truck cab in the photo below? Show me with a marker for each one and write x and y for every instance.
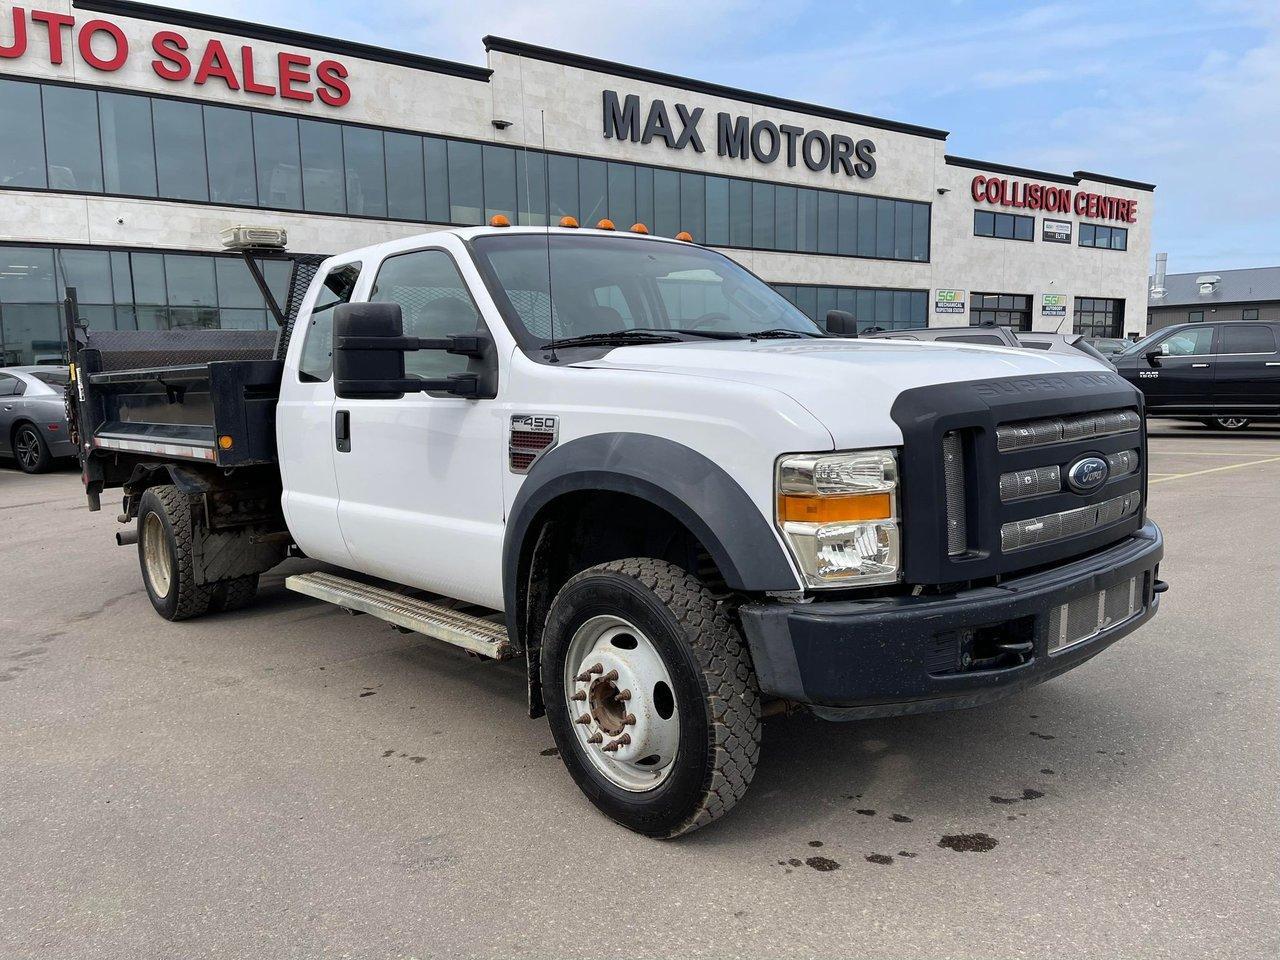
(629, 463)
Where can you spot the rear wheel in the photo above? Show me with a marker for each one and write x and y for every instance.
(651, 696)
(30, 450)
(1231, 423)
(165, 553)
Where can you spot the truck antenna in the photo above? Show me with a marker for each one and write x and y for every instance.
(546, 198)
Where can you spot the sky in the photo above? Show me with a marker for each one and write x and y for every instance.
(1185, 95)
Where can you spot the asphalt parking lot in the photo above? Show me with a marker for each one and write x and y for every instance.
(290, 782)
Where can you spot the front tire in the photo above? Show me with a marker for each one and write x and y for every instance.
(651, 696)
(30, 450)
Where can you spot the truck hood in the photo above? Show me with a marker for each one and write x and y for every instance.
(848, 385)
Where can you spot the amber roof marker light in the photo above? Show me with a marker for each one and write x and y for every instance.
(605, 224)
(499, 220)
(639, 228)
(685, 235)
(568, 221)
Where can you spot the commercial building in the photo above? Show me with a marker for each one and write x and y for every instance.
(1250, 294)
(132, 135)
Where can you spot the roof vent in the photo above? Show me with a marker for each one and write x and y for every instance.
(1208, 283)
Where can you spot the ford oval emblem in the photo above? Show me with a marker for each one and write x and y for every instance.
(1087, 474)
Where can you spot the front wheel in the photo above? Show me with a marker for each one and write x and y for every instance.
(651, 696)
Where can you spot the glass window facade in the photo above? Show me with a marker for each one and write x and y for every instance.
(873, 308)
(1099, 317)
(1104, 237)
(1004, 226)
(125, 290)
(1006, 309)
(80, 140)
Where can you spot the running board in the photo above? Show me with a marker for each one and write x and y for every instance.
(480, 636)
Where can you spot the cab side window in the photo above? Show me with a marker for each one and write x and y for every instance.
(316, 363)
(1189, 343)
(434, 301)
(1247, 338)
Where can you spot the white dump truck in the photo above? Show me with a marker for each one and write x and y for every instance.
(631, 464)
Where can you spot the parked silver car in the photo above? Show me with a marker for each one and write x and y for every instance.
(33, 417)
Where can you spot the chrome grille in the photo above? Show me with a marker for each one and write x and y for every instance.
(1087, 616)
(1123, 463)
(1034, 482)
(1026, 434)
(953, 477)
(1020, 534)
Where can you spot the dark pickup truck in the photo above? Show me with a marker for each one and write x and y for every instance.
(1225, 374)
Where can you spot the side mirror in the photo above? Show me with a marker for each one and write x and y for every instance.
(840, 323)
(368, 356)
(1153, 357)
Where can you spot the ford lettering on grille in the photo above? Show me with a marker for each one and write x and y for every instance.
(1087, 474)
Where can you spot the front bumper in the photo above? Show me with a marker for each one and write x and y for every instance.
(852, 659)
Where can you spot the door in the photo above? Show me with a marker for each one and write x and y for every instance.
(420, 489)
(1247, 367)
(305, 423)
(11, 390)
(1181, 379)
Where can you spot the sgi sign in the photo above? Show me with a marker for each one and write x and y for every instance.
(737, 136)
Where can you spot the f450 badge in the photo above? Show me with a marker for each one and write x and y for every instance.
(532, 435)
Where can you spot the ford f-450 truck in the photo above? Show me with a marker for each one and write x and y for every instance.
(631, 464)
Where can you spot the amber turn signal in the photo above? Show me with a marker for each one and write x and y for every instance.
(846, 508)
(225, 442)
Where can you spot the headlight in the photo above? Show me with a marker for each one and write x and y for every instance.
(838, 512)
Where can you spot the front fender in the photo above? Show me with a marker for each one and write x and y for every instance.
(676, 478)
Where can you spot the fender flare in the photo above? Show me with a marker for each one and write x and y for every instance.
(678, 479)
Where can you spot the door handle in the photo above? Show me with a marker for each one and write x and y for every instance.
(1197, 366)
(342, 431)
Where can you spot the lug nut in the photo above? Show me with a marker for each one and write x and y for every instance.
(613, 745)
(629, 720)
(580, 695)
(598, 668)
(595, 738)
(624, 694)
(585, 718)
(611, 676)
(582, 677)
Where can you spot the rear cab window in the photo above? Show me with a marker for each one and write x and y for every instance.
(316, 363)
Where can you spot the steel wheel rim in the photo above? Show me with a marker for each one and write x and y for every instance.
(155, 555)
(621, 703)
(28, 447)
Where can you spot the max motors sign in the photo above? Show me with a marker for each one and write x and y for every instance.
(104, 46)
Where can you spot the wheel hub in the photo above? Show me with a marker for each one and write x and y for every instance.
(622, 702)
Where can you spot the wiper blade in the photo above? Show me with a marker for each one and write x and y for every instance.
(707, 334)
(778, 333)
(615, 338)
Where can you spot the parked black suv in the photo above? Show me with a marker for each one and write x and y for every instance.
(1225, 374)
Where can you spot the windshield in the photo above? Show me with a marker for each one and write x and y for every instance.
(1145, 344)
(610, 285)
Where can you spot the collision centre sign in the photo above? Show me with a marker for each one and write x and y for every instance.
(102, 45)
(685, 127)
(1002, 192)
(1053, 305)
